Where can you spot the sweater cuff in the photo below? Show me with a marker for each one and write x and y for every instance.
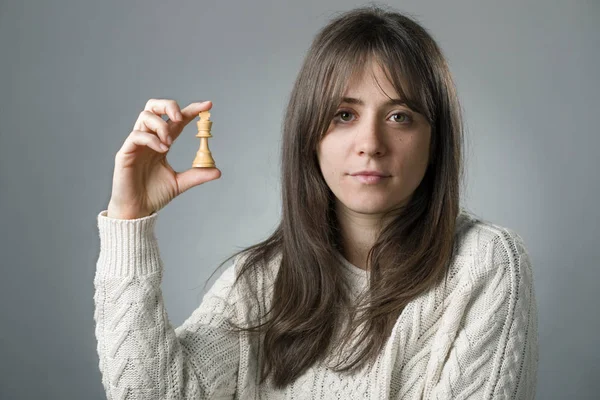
(127, 246)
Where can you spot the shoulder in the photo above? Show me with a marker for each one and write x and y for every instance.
(489, 253)
(477, 237)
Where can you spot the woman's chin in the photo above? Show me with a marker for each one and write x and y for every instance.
(368, 207)
(371, 205)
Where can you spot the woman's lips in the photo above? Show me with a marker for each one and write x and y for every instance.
(369, 179)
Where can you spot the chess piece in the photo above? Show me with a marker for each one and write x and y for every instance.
(203, 157)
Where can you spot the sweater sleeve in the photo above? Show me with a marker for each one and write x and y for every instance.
(494, 353)
(141, 356)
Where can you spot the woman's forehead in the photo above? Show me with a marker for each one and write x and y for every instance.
(373, 75)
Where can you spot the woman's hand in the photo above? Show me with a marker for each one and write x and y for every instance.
(143, 180)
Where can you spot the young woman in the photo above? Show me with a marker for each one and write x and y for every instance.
(376, 284)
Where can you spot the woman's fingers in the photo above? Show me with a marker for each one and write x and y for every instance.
(149, 122)
(152, 123)
(189, 113)
(164, 106)
(137, 139)
(191, 110)
(196, 176)
(150, 119)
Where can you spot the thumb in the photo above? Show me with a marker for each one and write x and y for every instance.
(196, 176)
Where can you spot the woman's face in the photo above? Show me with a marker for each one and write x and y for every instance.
(375, 153)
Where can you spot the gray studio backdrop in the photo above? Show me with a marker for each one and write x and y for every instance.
(74, 76)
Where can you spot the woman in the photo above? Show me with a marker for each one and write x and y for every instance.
(376, 283)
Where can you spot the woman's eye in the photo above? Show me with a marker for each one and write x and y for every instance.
(402, 118)
(345, 116)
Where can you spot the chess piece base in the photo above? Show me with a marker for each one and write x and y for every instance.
(203, 157)
(207, 165)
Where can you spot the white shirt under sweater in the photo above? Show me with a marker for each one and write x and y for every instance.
(475, 338)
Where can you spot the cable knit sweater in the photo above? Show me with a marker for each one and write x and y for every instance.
(474, 337)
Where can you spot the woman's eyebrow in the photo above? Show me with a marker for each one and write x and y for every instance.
(390, 102)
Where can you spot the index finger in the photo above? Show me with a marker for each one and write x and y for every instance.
(192, 110)
(188, 114)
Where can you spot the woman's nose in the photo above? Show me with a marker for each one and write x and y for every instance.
(369, 141)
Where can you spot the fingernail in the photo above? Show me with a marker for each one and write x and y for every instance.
(164, 147)
(169, 140)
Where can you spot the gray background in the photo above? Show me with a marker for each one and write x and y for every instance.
(74, 76)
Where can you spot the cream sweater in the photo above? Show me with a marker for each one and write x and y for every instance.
(475, 338)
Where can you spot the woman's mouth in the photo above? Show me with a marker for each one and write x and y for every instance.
(370, 177)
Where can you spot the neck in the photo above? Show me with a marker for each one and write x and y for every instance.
(359, 232)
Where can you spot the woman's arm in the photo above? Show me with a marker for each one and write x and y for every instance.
(141, 355)
(494, 353)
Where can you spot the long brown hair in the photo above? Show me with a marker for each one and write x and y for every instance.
(411, 253)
